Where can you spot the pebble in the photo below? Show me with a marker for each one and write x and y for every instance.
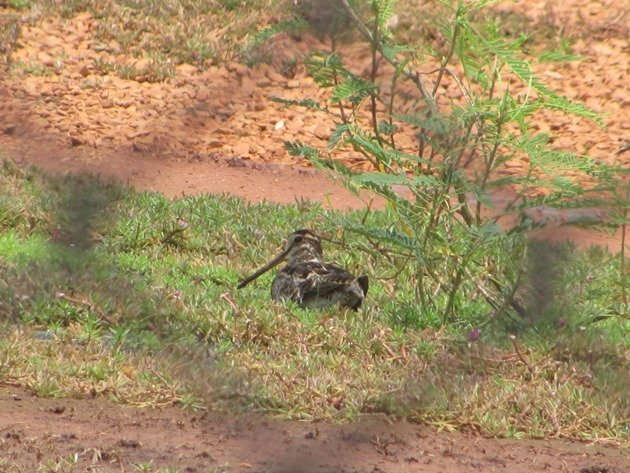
(241, 149)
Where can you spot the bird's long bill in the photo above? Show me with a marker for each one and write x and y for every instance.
(277, 260)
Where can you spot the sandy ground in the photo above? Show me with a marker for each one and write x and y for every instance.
(109, 437)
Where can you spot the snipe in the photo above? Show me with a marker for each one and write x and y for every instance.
(307, 280)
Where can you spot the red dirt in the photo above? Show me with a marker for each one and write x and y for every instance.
(109, 437)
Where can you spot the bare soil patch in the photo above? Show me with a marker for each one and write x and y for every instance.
(109, 437)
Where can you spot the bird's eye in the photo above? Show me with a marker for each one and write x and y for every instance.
(298, 239)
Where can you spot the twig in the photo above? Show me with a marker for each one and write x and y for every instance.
(226, 297)
(521, 357)
(368, 210)
(412, 75)
(622, 269)
(373, 94)
(88, 304)
(170, 236)
(506, 359)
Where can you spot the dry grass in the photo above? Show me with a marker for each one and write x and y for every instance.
(79, 362)
(195, 32)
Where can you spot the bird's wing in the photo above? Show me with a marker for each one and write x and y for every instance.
(322, 280)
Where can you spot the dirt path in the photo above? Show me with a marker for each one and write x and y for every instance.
(109, 437)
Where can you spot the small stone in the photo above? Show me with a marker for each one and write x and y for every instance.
(187, 69)
(113, 46)
(248, 86)
(297, 124)
(241, 70)
(142, 63)
(83, 16)
(52, 42)
(125, 103)
(236, 162)
(275, 77)
(264, 82)
(322, 132)
(393, 22)
(241, 149)
(215, 144)
(293, 84)
(280, 125)
(76, 141)
(46, 59)
(238, 69)
(203, 94)
(224, 113)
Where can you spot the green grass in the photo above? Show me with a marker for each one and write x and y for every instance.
(129, 295)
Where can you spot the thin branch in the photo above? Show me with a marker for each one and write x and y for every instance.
(373, 94)
(410, 74)
(521, 357)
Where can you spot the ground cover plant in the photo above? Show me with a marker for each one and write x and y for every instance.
(451, 153)
(108, 291)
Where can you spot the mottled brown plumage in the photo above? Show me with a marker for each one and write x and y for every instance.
(307, 280)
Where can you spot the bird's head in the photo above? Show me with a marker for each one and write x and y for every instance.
(302, 245)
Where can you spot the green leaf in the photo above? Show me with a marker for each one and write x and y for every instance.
(335, 166)
(382, 179)
(390, 51)
(523, 70)
(296, 148)
(306, 103)
(385, 179)
(353, 89)
(337, 135)
(402, 157)
(325, 69)
(559, 56)
(387, 129)
(387, 9)
(433, 124)
(370, 146)
(388, 235)
(295, 24)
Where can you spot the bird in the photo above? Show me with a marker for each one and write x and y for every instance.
(307, 280)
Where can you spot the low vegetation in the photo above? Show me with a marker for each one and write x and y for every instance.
(108, 291)
(169, 33)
